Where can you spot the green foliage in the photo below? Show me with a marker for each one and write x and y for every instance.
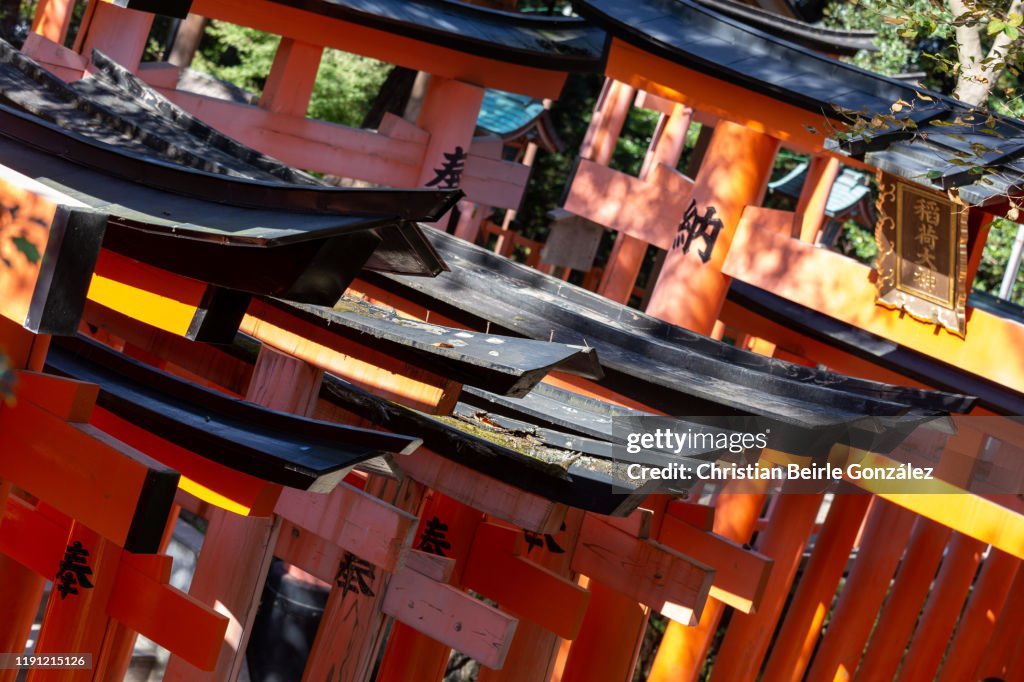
(241, 56)
(899, 51)
(27, 248)
(345, 84)
(994, 258)
(345, 87)
(858, 241)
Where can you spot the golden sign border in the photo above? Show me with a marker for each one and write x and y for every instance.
(921, 307)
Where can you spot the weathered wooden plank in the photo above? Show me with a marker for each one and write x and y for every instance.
(497, 568)
(484, 493)
(647, 571)
(740, 574)
(353, 520)
(450, 616)
(637, 524)
(353, 628)
(143, 601)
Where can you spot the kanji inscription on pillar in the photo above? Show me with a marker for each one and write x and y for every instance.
(922, 253)
(695, 225)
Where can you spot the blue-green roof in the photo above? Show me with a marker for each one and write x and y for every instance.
(850, 187)
(503, 113)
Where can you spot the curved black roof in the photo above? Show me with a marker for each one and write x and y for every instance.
(539, 41)
(813, 36)
(661, 365)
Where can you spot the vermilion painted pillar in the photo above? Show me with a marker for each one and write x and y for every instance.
(52, 19)
(22, 587)
(909, 590)
(232, 566)
(734, 174)
(978, 623)
(446, 528)
(749, 635)
(810, 208)
(609, 640)
(76, 622)
(292, 77)
(627, 256)
(1008, 636)
(606, 122)
(449, 112)
(801, 626)
(683, 649)
(534, 649)
(119, 33)
(943, 609)
(860, 601)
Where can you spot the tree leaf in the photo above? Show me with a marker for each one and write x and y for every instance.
(995, 26)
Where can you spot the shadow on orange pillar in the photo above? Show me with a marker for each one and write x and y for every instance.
(628, 252)
(683, 649)
(609, 640)
(734, 174)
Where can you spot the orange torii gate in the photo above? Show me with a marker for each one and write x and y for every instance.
(598, 653)
(464, 59)
(99, 538)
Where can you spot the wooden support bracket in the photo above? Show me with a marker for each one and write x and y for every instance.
(353, 520)
(740, 574)
(143, 601)
(450, 616)
(662, 578)
(498, 569)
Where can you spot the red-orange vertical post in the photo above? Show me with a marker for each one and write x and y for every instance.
(747, 639)
(810, 207)
(534, 648)
(978, 622)
(76, 619)
(683, 649)
(609, 640)
(909, 590)
(118, 32)
(446, 528)
(1007, 635)
(292, 77)
(628, 252)
(52, 19)
(806, 613)
(942, 610)
(449, 112)
(233, 564)
(23, 588)
(606, 123)
(881, 548)
(733, 175)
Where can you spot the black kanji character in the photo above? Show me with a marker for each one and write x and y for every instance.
(536, 540)
(693, 226)
(449, 174)
(355, 575)
(433, 539)
(73, 570)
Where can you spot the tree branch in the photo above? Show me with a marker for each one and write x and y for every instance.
(978, 74)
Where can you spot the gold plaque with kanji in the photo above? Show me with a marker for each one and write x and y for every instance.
(922, 253)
